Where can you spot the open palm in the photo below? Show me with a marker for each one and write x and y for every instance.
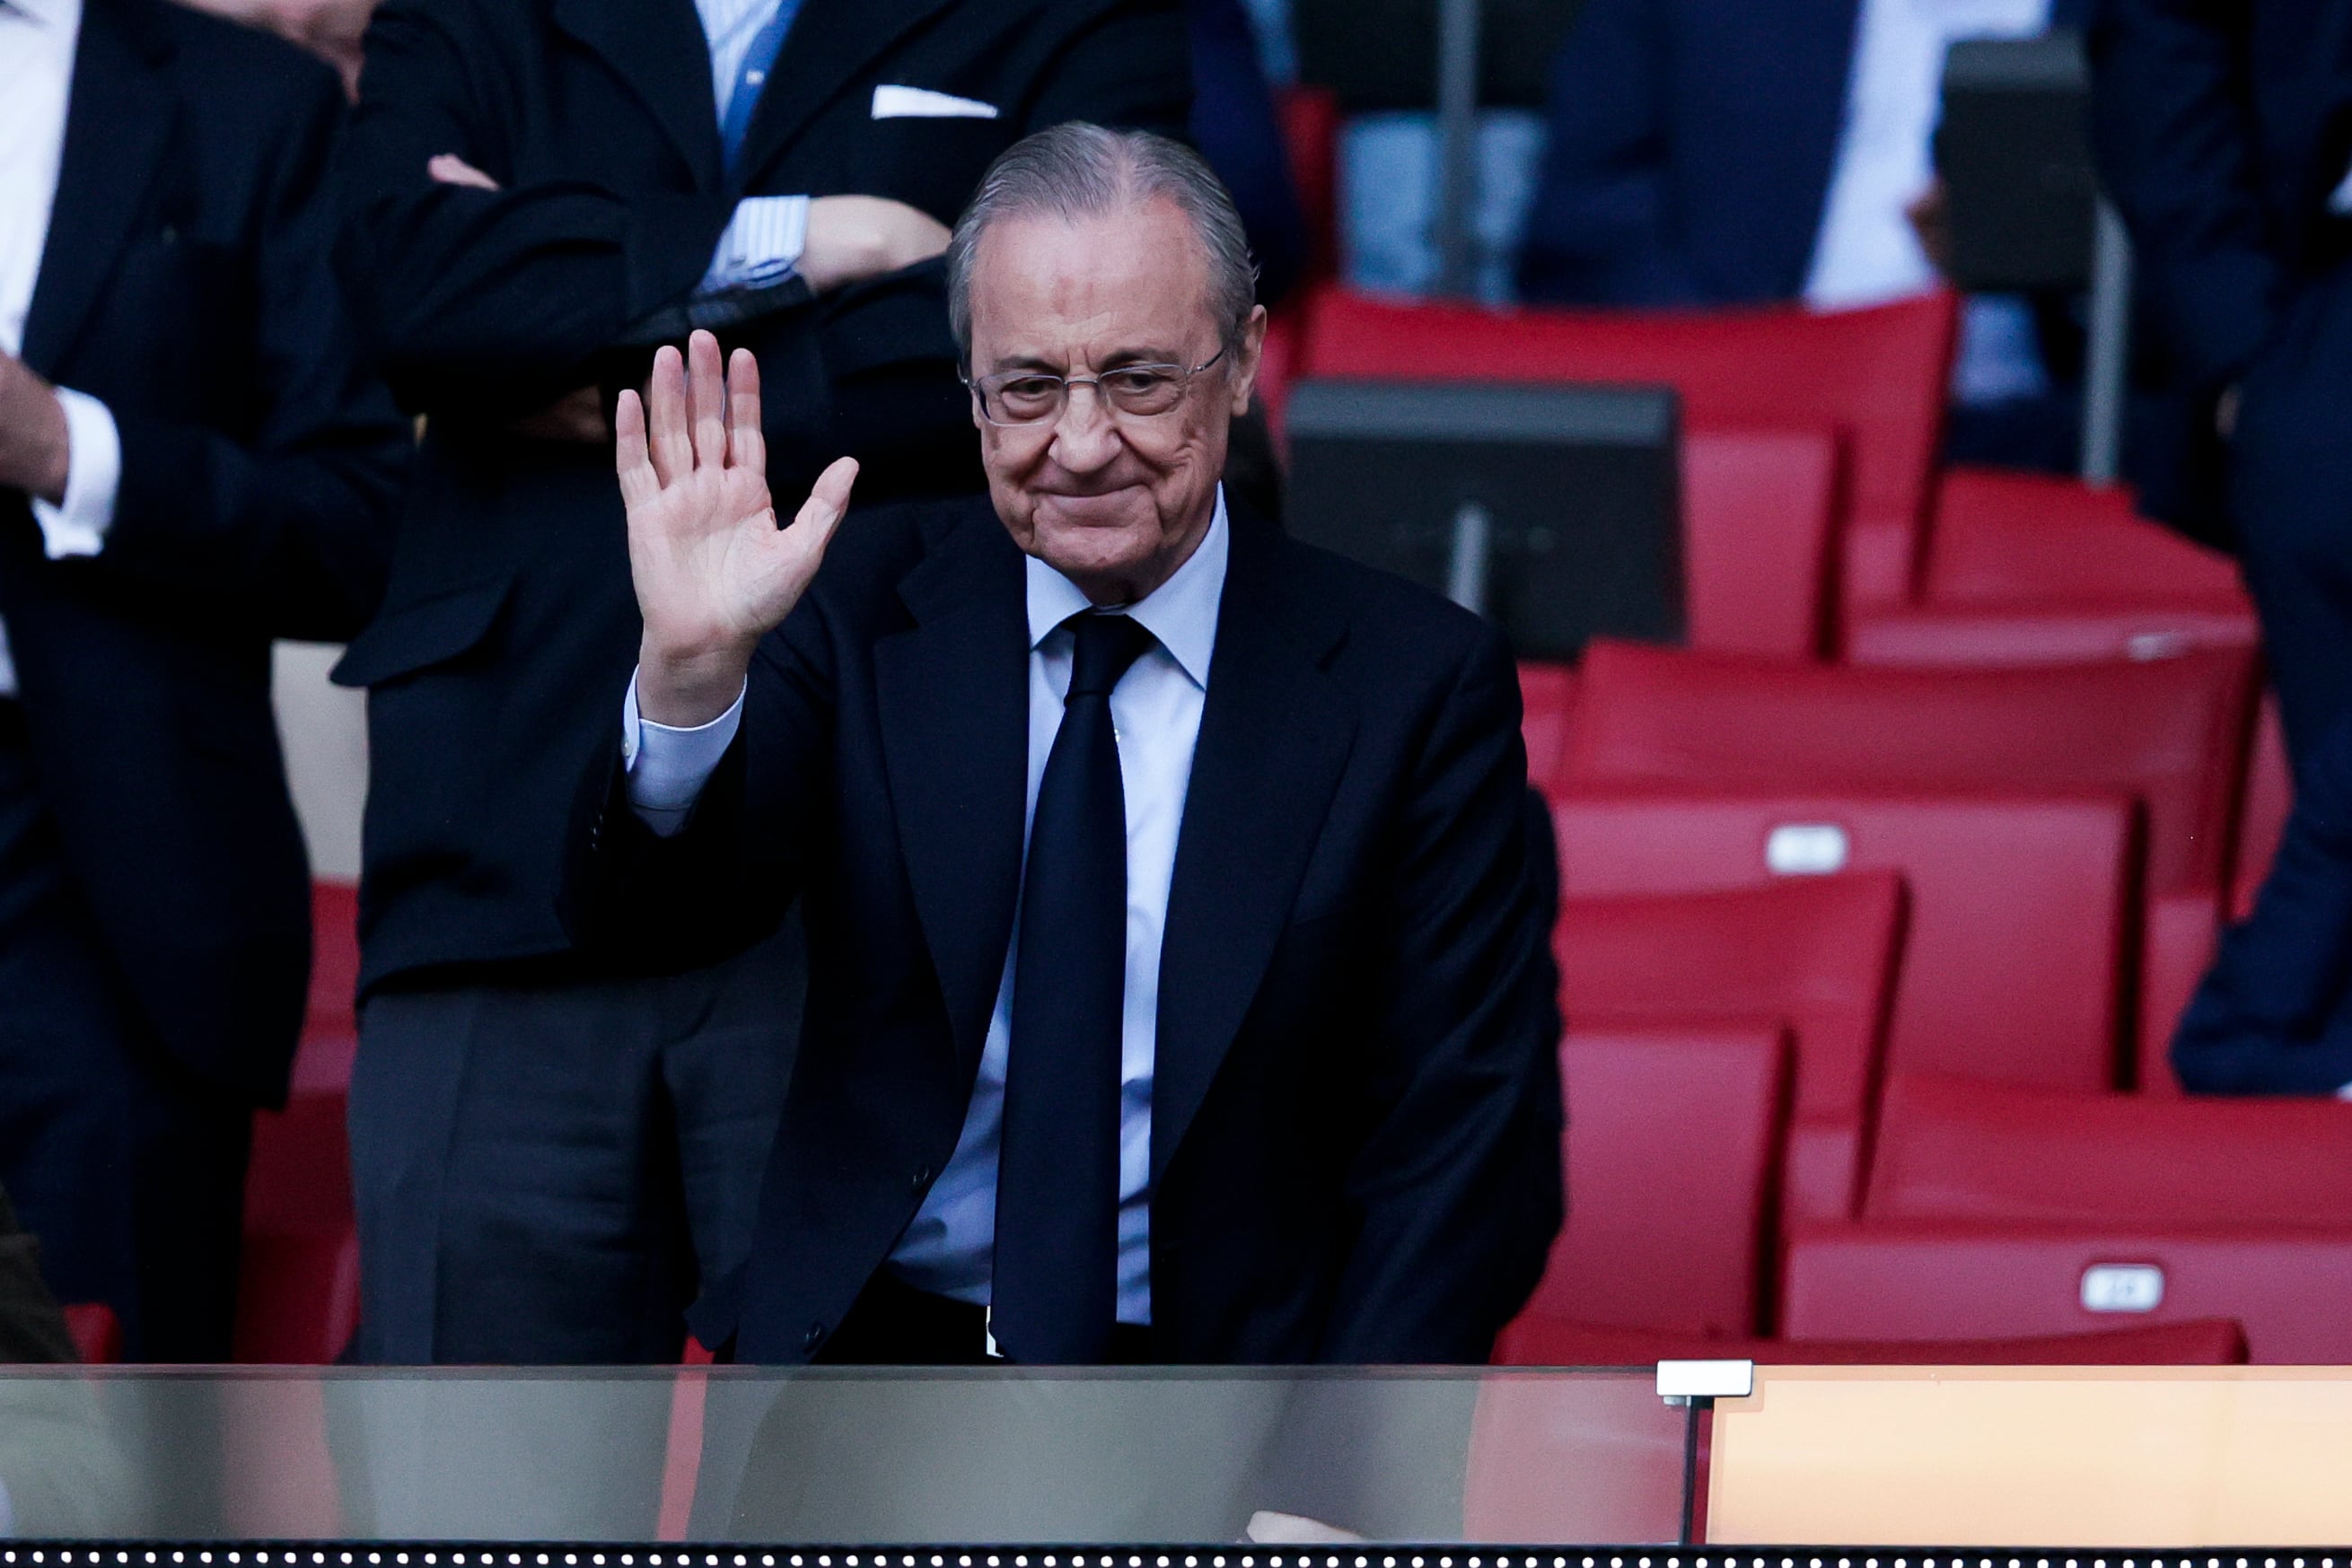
(713, 571)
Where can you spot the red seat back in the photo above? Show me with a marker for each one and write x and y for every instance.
(96, 1333)
(1819, 954)
(2270, 800)
(2203, 1342)
(1311, 136)
(1973, 636)
(2011, 966)
(1876, 376)
(1655, 1238)
(2007, 539)
(2173, 733)
(1759, 524)
(1953, 1149)
(323, 1061)
(1547, 698)
(1986, 1279)
(297, 1293)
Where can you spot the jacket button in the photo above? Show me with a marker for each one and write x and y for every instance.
(813, 1338)
(922, 1174)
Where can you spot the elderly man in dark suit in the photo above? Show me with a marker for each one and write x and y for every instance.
(549, 1156)
(192, 460)
(1180, 988)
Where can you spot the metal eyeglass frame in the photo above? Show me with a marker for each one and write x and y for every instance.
(1109, 406)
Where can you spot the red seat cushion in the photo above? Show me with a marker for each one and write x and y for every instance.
(1759, 522)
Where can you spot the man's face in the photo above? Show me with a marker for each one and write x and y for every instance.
(1115, 501)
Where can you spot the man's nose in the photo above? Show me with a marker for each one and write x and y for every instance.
(1086, 436)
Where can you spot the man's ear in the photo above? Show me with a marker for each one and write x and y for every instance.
(1247, 357)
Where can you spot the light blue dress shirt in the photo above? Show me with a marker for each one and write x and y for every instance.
(1156, 710)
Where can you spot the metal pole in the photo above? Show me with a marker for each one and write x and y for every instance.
(1466, 560)
(1457, 145)
(2106, 375)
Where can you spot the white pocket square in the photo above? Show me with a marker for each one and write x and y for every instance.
(922, 103)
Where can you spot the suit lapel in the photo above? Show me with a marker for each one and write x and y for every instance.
(954, 700)
(831, 44)
(660, 52)
(118, 123)
(1275, 737)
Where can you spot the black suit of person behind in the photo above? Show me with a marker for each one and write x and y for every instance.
(1355, 1106)
(532, 1214)
(154, 902)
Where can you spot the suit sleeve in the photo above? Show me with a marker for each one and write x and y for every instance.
(2172, 124)
(287, 524)
(1456, 1189)
(2269, 1019)
(489, 303)
(1599, 231)
(722, 881)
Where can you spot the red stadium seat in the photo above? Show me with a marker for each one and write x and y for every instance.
(323, 1062)
(1954, 1149)
(2172, 732)
(2011, 965)
(2270, 797)
(2183, 930)
(96, 1332)
(1547, 696)
(1818, 954)
(1311, 136)
(1656, 1238)
(1759, 524)
(1973, 1280)
(1971, 636)
(2005, 538)
(297, 1293)
(2204, 1341)
(1876, 376)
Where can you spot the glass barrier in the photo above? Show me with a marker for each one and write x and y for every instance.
(842, 1456)
(2118, 1458)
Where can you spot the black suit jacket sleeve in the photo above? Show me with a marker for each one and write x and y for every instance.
(491, 301)
(1456, 1188)
(281, 526)
(2173, 123)
(2270, 1016)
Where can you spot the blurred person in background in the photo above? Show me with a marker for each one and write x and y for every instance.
(192, 461)
(551, 1157)
(1723, 152)
(2224, 131)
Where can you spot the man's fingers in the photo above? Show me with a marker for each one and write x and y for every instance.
(747, 444)
(706, 393)
(631, 459)
(673, 445)
(829, 497)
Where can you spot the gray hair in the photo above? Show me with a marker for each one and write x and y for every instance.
(1080, 171)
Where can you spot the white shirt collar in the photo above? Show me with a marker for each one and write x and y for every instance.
(1181, 612)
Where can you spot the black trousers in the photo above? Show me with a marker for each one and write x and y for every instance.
(547, 1169)
(2290, 484)
(128, 1168)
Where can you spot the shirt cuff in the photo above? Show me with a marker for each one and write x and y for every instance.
(668, 767)
(77, 525)
(761, 244)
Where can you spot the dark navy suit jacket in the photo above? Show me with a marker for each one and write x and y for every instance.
(1355, 1114)
(1692, 143)
(2274, 1014)
(2222, 126)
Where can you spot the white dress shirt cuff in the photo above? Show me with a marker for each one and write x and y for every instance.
(78, 525)
(761, 244)
(2345, 1092)
(668, 767)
